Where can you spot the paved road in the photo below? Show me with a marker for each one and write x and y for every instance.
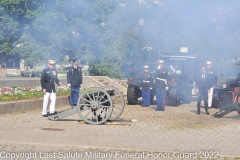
(176, 132)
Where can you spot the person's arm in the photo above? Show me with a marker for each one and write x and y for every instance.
(57, 80)
(80, 74)
(43, 84)
(68, 79)
(69, 76)
(197, 83)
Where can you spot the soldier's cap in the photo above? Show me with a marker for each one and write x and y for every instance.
(75, 60)
(146, 67)
(160, 61)
(208, 62)
(51, 62)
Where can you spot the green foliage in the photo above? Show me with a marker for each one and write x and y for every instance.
(31, 51)
(14, 15)
(107, 33)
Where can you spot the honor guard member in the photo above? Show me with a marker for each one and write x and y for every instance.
(212, 81)
(161, 76)
(145, 84)
(74, 80)
(202, 88)
(48, 77)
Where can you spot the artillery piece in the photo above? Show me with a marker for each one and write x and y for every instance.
(235, 106)
(96, 105)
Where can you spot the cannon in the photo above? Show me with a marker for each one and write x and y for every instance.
(96, 105)
(235, 106)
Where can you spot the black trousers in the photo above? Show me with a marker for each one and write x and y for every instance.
(204, 96)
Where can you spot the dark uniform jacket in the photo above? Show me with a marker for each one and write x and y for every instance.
(161, 77)
(74, 76)
(212, 77)
(146, 81)
(47, 79)
(203, 84)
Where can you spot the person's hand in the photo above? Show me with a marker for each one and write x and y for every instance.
(208, 91)
(44, 91)
(197, 90)
(60, 83)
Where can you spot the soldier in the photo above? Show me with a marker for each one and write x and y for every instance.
(161, 76)
(202, 88)
(74, 80)
(48, 77)
(212, 80)
(145, 84)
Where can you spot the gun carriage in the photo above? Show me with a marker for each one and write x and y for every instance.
(235, 106)
(96, 105)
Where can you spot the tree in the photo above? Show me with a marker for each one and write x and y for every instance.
(14, 15)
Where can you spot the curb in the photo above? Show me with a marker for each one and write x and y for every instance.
(26, 105)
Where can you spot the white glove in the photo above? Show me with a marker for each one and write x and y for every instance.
(166, 88)
(69, 85)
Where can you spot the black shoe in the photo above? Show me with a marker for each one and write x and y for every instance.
(73, 105)
(144, 105)
(208, 113)
(198, 113)
(52, 113)
(45, 115)
(159, 109)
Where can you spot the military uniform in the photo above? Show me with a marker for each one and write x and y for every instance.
(212, 77)
(48, 77)
(74, 79)
(161, 76)
(146, 84)
(203, 85)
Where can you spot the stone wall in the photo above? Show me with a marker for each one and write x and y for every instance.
(26, 105)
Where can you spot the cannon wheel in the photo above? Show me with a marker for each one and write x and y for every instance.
(118, 102)
(95, 105)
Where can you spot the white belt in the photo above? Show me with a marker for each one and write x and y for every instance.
(146, 81)
(162, 80)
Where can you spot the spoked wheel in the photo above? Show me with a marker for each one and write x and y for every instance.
(95, 105)
(118, 101)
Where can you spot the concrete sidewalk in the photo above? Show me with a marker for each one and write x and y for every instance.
(176, 133)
